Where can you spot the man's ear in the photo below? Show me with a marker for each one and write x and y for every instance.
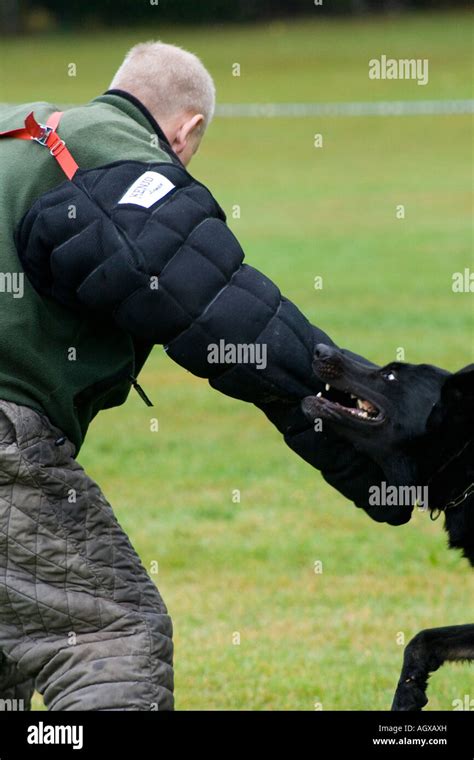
(185, 131)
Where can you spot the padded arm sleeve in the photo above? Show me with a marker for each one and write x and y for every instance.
(150, 244)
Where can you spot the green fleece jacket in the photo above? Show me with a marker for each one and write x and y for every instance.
(51, 359)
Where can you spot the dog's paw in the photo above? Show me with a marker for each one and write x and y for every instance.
(409, 696)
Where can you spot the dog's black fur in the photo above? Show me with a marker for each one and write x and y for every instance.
(417, 422)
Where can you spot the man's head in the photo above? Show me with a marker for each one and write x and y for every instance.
(175, 87)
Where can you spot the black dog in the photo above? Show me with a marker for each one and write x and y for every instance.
(417, 422)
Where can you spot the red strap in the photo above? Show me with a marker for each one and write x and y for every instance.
(48, 137)
(54, 120)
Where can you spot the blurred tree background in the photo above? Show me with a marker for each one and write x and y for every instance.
(20, 16)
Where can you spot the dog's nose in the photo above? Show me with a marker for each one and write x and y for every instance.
(324, 353)
(327, 362)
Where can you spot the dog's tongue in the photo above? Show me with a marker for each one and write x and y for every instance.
(366, 405)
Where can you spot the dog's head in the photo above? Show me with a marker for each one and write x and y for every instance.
(392, 413)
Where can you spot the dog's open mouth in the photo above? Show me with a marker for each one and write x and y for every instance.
(335, 403)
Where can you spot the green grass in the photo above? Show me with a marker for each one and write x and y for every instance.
(248, 567)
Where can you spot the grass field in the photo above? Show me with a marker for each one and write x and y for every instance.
(306, 638)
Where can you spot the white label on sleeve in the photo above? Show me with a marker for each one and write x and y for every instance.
(149, 188)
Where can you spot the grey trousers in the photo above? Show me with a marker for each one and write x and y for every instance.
(80, 619)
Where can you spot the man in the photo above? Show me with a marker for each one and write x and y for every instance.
(129, 252)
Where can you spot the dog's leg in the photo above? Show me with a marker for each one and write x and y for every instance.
(425, 653)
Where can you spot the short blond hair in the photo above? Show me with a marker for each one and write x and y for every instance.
(167, 80)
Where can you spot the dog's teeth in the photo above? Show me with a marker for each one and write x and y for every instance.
(327, 387)
(352, 396)
(318, 395)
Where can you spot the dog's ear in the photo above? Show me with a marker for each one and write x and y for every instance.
(456, 403)
(460, 385)
(456, 400)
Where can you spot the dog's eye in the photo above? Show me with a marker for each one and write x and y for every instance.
(389, 375)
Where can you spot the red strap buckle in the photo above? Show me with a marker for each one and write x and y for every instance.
(46, 134)
(58, 146)
(43, 137)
